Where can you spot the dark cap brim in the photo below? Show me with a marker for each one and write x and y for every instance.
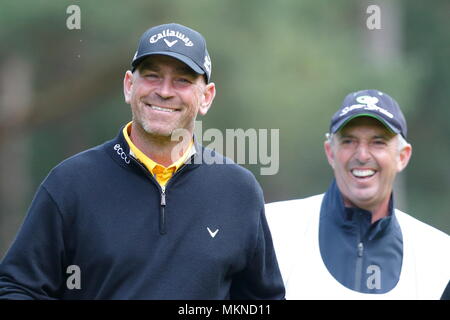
(343, 122)
(191, 64)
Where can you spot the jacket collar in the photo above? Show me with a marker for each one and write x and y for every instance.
(353, 217)
(119, 150)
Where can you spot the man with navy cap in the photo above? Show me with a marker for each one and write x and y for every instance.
(144, 216)
(351, 242)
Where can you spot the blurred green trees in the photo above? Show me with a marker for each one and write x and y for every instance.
(276, 64)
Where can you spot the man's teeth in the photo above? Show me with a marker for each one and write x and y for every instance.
(162, 109)
(363, 173)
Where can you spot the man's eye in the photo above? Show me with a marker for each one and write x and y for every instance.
(379, 142)
(183, 80)
(346, 141)
(151, 75)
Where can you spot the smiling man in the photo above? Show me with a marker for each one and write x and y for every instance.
(351, 242)
(142, 216)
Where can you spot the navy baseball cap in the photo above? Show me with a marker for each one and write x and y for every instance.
(177, 41)
(370, 103)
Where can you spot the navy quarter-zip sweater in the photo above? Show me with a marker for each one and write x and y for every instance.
(102, 213)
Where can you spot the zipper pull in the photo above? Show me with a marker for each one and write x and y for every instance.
(162, 214)
(360, 249)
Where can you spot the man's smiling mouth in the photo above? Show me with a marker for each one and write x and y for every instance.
(363, 173)
(163, 109)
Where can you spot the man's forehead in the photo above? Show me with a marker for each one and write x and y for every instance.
(156, 62)
(368, 123)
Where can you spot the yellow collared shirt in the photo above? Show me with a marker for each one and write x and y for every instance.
(161, 173)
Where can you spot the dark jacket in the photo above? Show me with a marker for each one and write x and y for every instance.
(362, 256)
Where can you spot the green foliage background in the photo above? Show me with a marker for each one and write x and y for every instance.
(276, 64)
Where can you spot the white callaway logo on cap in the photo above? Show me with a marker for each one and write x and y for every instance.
(367, 103)
(170, 33)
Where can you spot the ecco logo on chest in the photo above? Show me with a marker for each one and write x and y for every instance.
(121, 153)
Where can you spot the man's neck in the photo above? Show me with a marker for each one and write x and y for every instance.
(160, 149)
(381, 211)
(378, 211)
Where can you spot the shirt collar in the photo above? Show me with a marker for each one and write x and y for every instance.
(149, 163)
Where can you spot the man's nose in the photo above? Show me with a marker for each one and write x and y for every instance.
(165, 88)
(363, 153)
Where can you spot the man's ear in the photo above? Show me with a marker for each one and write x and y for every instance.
(329, 152)
(128, 86)
(404, 156)
(209, 92)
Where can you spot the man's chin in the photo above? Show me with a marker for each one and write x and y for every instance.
(363, 198)
(163, 133)
(157, 132)
(365, 202)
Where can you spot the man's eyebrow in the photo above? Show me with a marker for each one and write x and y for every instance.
(148, 66)
(386, 136)
(184, 70)
(344, 135)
